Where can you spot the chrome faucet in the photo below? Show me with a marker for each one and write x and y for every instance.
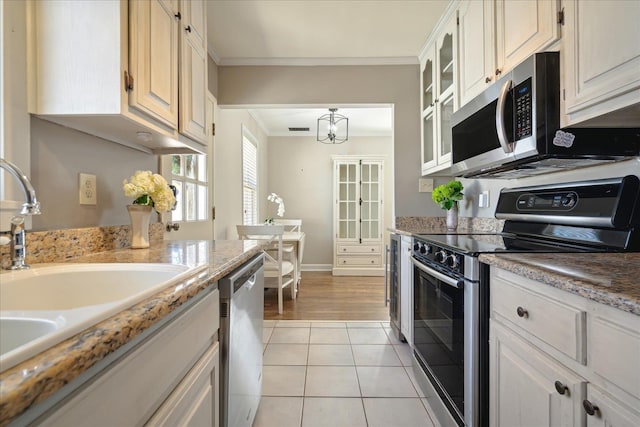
(30, 207)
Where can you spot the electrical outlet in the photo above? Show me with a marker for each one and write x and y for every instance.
(483, 199)
(425, 185)
(87, 189)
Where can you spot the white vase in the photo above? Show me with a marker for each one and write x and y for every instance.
(140, 216)
(452, 218)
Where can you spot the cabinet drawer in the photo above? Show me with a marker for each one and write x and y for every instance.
(358, 249)
(556, 323)
(614, 351)
(131, 390)
(364, 261)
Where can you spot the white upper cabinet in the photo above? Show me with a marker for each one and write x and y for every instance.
(496, 35)
(193, 70)
(153, 59)
(438, 94)
(112, 69)
(601, 60)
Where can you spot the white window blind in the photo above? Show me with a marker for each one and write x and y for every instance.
(249, 182)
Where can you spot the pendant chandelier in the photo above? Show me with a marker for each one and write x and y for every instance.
(336, 125)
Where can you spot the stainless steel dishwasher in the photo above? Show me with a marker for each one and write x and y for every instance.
(241, 318)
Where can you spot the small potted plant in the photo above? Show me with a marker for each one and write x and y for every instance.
(273, 197)
(447, 196)
(149, 191)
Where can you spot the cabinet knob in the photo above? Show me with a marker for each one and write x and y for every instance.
(172, 226)
(372, 261)
(498, 71)
(561, 388)
(589, 407)
(178, 16)
(188, 28)
(435, 100)
(522, 312)
(487, 79)
(373, 249)
(432, 104)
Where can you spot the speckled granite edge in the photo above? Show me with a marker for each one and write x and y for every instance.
(61, 245)
(34, 380)
(608, 279)
(416, 224)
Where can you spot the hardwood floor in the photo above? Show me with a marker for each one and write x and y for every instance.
(325, 297)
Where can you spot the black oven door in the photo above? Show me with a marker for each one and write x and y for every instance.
(438, 334)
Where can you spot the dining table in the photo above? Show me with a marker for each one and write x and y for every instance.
(297, 239)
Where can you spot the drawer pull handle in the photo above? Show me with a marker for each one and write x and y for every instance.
(522, 312)
(589, 407)
(487, 79)
(561, 388)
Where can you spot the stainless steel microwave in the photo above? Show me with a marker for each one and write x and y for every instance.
(512, 129)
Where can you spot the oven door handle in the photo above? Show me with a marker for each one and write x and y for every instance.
(459, 284)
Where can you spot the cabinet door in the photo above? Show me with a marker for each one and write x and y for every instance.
(195, 401)
(444, 111)
(347, 197)
(522, 28)
(428, 91)
(370, 205)
(608, 412)
(527, 388)
(476, 48)
(153, 59)
(193, 70)
(601, 54)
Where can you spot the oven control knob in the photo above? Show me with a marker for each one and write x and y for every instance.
(423, 249)
(441, 256)
(416, 246)
(453, 261)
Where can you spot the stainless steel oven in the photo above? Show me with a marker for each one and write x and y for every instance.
(450, 333)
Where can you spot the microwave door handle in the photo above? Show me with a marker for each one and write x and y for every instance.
(459, 284)
(500, 128)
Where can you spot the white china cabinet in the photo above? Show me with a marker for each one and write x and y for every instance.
(358, 215)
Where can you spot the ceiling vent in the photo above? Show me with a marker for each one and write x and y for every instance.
(298, 129)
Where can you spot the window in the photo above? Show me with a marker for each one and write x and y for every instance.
(189, 176)
(249, 181)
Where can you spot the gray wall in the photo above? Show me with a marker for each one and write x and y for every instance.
(301, 172)
(212, 71)
(328, 85)
(59, 154)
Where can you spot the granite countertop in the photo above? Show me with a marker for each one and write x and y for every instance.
(34, 380)
(612, 279)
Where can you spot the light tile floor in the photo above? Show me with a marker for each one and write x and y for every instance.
(338, 374)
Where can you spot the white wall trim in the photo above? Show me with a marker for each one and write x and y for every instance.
(316, 267)
(314, 62)
(212, 53)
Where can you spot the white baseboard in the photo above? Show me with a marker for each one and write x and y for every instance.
(316, 267)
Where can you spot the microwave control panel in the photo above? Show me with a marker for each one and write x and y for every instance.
(523, 106)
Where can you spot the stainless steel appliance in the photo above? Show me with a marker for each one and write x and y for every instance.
(393, 283)
(451, 286)
(241, 318)
(512, 129)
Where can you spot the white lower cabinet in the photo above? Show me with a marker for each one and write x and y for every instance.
(529, 388)
(406, 289)
(558, 359)
(168, 379)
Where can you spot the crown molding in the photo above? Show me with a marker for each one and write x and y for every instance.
(212, 53)
(311, 62)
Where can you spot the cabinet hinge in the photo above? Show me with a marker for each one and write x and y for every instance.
(213, 129)
(128, 81)
(561, 16)
(213, 213)
(457, 20)
(564, 95)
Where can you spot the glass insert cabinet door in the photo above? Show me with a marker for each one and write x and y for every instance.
(358, 200)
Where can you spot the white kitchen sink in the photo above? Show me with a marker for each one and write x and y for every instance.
(45, 305)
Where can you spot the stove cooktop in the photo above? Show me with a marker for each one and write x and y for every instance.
(475, 244)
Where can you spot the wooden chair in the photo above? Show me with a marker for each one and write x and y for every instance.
(289, 224)
(279, 267)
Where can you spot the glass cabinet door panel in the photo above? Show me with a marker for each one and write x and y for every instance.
(374, 230)
(446, 110)
(427, 85)
(445, 52)
(343, 192)
(342, 173)
(364, 176)
(427, 139)
(375, 171)
(352, 173)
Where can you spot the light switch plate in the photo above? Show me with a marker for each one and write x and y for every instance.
(425, 185)
(483, 199)
(87, 189)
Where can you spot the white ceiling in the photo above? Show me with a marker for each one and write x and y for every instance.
(363, 121)
(247, 32)
(320, 32)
